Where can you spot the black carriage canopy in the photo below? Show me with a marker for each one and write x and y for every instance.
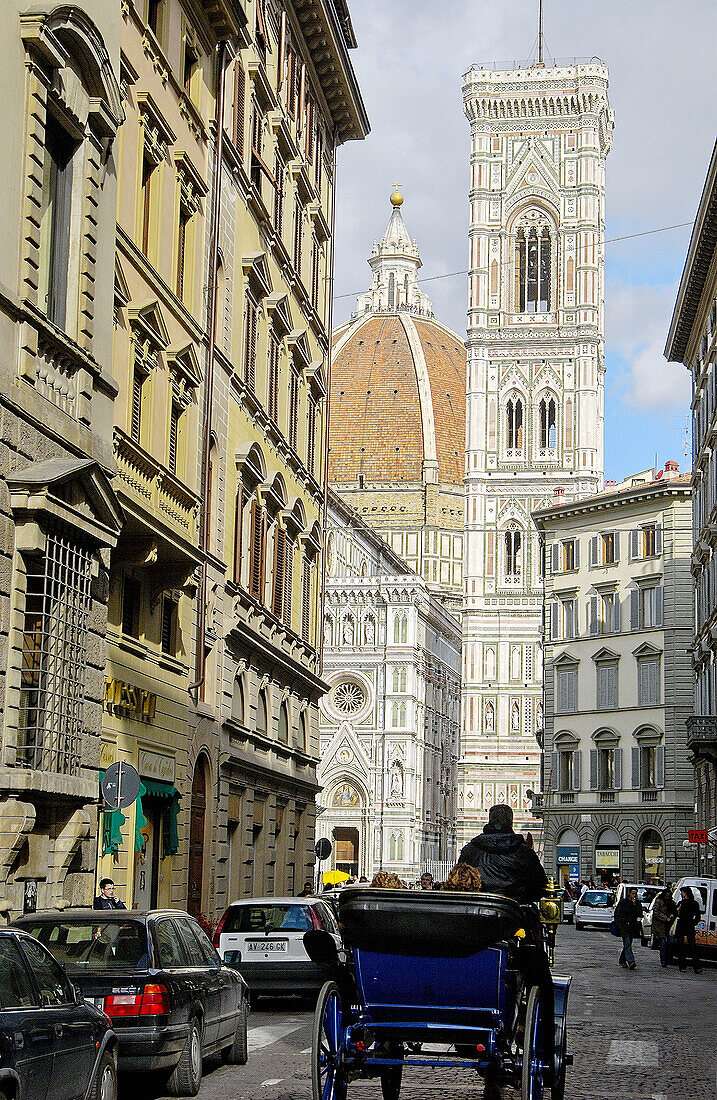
(432, 923)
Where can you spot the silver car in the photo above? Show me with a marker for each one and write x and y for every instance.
(594, 907)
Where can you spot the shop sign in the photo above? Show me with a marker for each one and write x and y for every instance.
(107, 754)
(698, 836)
(569, 858)
(128, 701)
(155, 765)
(607, 859)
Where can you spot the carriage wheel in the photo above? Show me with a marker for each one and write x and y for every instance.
(391, 1077)
(328, 1079)
(532, 1081)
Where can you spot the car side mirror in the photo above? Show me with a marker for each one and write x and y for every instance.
(232, 958)
(79, 996)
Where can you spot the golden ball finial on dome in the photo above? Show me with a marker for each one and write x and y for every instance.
(396, 197)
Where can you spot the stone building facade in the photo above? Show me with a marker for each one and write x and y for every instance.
(617, 786)
(397, 423)
(59, 514)
(692, 340)
(389, 723)
(534, 413)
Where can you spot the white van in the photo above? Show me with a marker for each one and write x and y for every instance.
(705, 892)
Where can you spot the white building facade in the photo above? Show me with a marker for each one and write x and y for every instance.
(617, 790)
(389, 724)
(534, 412)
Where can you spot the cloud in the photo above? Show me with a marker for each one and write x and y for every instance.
(637, 318)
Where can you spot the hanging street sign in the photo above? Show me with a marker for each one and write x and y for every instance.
(698, 836)
(120, 785)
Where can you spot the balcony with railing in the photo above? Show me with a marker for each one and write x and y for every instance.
(702, 736)
(155, 489)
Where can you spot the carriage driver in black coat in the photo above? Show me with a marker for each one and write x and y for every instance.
(509, 867)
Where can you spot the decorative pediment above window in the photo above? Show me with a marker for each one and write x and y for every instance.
(606, 655)
(256, 272)
(566, 660)
(122, 292)
(647, 650)
(648, 735)
(295, 517)
(274, 495)
(158, 135)
(312, 541)
(191, 185)
(250, 465)
(148, 325)
(606, 737)
(279, 313)
(73, 492)
(184, 362)
(299, 345)
(315, 378)
(321, 226)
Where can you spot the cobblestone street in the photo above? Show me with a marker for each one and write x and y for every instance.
(642, 1035)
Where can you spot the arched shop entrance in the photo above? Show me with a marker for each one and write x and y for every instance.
(652, 857)
(608, 855)
(197, 822)
(567, 857)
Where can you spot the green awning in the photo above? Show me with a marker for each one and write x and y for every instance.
(140, 821)
(156, 788)
(112, 822)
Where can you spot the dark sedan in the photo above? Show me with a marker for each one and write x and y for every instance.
(169, 996)
(53, 1045)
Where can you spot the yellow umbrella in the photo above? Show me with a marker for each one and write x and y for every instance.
(333, 878)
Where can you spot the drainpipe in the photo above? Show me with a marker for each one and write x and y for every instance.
(199, 660)
(329, 357)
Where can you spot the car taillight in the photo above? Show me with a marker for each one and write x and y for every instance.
(153, 1001)
(218, 932)
(316, 923)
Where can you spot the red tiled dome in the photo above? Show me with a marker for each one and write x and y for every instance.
(397, 400)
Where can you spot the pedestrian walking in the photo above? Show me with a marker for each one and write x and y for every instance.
(664, 912)
(688, 916)
(106, 898)
(627, 922)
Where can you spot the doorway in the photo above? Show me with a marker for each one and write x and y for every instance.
(346, 850)
(146, 863)
(197, 823)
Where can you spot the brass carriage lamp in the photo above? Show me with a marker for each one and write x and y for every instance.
(551, 913)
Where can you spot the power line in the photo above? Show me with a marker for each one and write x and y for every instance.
(466, 271)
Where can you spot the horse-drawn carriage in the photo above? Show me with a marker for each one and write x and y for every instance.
(437, 979)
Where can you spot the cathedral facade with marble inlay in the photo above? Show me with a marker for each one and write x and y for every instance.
(534, 406)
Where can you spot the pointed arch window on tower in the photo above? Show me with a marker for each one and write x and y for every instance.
(547, 414)
(514, 424)
(513, 547)
(391, 291)
(533, 263)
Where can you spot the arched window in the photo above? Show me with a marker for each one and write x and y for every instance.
(284, 724)
(400, 628)
(547, 414)
(262, 715)
(303, 743)
(405, 289)
(533, 262)
(399, 679)
(513, 543)
(514, 424)
(399, 847)
(257, 548)
(391, 291)
(238, 700)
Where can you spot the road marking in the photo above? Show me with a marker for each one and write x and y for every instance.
(264, 1036)
(307, 1051)
(633, 1053)
(271, 1081)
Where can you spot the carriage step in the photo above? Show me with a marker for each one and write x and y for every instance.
(569, 1058)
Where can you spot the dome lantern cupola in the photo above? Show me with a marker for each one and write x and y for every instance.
(395, 263)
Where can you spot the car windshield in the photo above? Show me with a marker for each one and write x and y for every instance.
(598, 899)
(94, 945)
(645, 894)
(268, 918)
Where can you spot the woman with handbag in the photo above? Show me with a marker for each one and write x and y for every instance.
(688, 917)
(628, 915)
(664, 912)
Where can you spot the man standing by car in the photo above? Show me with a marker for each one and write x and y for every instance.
(106, 898)
(628, 916)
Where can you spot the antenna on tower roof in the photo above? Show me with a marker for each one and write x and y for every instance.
(540, 32)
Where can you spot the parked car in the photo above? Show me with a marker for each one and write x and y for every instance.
(264, 938)
(595, 907)
(169, 996)
(568, 906)
(53, 1045)
(646, 924)
(705, 893)
(646, 892)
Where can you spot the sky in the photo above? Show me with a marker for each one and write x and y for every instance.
(661, 57)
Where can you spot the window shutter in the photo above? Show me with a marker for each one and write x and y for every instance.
(660, 766)
(288, 581)
(576, 553)
(616, 614)
(593, 769)
(306, 600)
(239, 98)
(658, 538)
(576, 769)
(634, 609)
(282, 51)
(555, 557)
(593, 608)
(659, 604)
(562, 691)
(573, 605)
(618, 769)
(554, 620)
(593, 553)
(572, 676)
(555, 783)
(654, 685)
(616, 543)
(238, 516)
(601, 686)
(256, 578)
(635, 754)
(642, 683)
(634, 545)
(277, 603)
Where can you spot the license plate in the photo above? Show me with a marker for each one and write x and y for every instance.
(267, 945)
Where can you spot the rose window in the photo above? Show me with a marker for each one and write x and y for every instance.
(349, 697)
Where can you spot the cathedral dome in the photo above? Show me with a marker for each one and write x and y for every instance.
(398, 379)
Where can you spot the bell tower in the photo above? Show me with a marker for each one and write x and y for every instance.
(539, 140)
